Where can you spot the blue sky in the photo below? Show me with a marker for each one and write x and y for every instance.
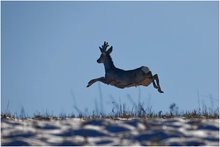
(49, 52)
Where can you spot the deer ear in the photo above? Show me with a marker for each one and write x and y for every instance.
(109, 50)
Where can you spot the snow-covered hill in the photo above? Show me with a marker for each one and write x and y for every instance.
(74, 131)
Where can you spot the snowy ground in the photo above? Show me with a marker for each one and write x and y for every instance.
(75, 131)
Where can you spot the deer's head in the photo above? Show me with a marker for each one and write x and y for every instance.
(104, 52)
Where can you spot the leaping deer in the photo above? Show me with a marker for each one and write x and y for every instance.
(123, 78)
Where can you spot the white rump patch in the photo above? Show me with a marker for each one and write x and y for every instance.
(145, 69)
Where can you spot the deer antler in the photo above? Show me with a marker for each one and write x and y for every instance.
(104, 46)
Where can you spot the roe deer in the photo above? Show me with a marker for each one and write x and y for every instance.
(124, 78)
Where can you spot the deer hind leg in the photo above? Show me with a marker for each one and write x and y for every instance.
(155, 77)
(152, 78)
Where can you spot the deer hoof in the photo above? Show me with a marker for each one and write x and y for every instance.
(159, 90)
(90, 83)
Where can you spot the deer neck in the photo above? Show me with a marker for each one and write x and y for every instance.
(109, 65)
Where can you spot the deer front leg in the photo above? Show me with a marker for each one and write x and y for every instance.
(101, 79)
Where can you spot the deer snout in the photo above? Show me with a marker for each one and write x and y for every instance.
(99, 61)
